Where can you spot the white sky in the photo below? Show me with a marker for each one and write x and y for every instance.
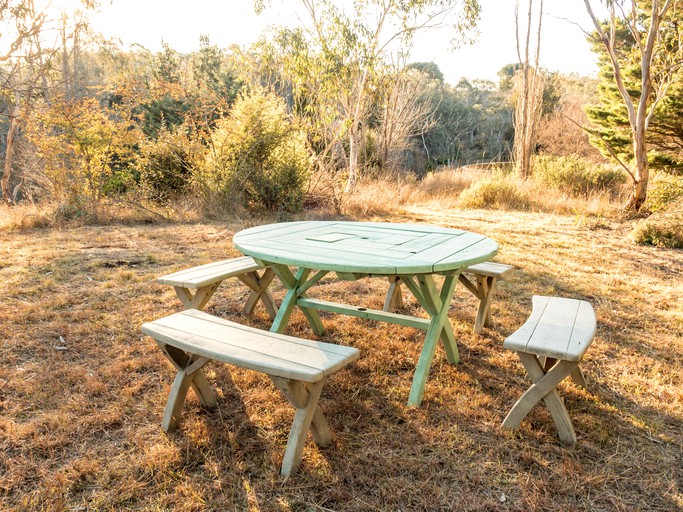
(227, 22)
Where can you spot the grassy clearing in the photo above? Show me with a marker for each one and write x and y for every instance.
(82, 392)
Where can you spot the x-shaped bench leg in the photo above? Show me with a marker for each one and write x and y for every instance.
(482, 289)
(259, 291)
(197, 300)
(307, 417)
(256, 283)
(189, 375)
(394, 298)
(544, 387)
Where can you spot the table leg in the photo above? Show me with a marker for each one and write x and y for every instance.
(436, 303)
(296, 286)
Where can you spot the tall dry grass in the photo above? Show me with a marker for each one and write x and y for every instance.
(479, 189)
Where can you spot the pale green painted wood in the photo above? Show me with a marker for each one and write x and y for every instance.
(356, 249)
(296, 287)
(434, 332)
(366, 248)
(428, 297)
(370, 314)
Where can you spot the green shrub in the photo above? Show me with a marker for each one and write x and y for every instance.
(165, 163)
(257, 156)
(498, 192)
(85, 150)
(663, 189)
(576, 175)
(662, 229)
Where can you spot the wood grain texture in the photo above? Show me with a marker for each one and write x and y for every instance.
(199, 333)
(557, 327)
(366, 247)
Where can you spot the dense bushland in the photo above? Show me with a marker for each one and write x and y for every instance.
(279, 126)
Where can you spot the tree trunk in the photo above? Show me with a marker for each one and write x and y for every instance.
(528, 108)
(65, 61)
(638, 118)
(354, 146)
(642, 174)
(9, 154)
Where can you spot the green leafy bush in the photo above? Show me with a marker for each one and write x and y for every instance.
(662, 229)
(85, 150)
(664, 189)
(498, 191)
(257, 156)
(576, 175)
(165, 163)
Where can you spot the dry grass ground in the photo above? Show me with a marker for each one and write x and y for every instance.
(82, 391)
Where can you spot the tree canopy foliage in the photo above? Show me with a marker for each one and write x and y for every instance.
(610, 115)
(305, 109)
(642, 58)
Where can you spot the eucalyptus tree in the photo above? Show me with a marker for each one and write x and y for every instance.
(529, 103)
(657, 54)
(609, 115)
(342, 51)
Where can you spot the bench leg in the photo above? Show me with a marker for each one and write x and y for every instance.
(485, 285)
(189, 375)
(394, 298)
(259, 291)
(200, 297)
(576, 375)
(482, 289)
(544, 387)
(307, 417)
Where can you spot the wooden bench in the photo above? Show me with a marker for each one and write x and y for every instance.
(485, 276)
(205, 279)
(192, 338)
(550, 344)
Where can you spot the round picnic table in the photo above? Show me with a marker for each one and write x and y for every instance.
(413, 253)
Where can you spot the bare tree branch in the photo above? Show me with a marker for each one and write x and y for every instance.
(607, 144)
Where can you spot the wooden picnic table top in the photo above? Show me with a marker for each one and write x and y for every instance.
(366, 247)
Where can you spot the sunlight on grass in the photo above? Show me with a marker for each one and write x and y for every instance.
(476, 188)
(82, 391)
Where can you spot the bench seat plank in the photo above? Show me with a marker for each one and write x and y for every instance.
(240, 345)
(488, 268)
(203, 275)
(557, 327)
